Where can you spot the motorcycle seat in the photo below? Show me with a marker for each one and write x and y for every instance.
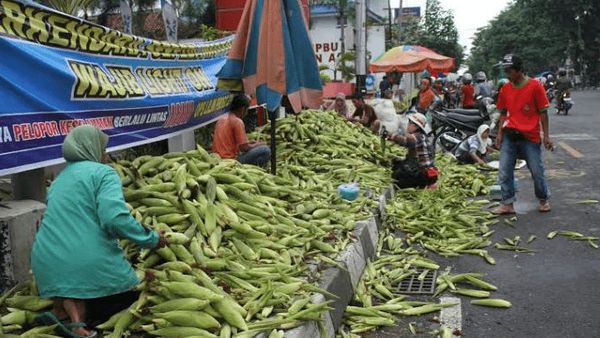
(466, 118)
(464, 111)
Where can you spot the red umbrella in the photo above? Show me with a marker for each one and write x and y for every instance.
(408, 58)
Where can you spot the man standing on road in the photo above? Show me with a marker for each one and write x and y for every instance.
(524, 106)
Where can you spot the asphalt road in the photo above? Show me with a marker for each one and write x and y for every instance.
(555, 292)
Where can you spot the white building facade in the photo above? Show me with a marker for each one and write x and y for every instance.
(326, 35)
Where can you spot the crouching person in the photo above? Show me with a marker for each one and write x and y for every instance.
(417, 170)
(474, 148)
(230, 140)
(76, 257)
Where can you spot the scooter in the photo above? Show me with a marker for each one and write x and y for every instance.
(550, 91)
(452, 126)
(564, 104)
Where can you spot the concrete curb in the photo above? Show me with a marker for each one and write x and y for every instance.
(341, 282)
(19, 221)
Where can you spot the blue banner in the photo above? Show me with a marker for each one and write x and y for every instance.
(58, 72)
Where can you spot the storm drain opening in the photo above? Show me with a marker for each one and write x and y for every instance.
(412, 284)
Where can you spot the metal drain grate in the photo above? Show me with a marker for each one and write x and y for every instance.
(412, 285)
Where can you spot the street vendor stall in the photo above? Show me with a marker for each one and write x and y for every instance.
(410, 59)
(272, 57)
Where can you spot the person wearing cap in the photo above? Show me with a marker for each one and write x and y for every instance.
(76, 258)
(523, 105)
(364, 113)
(417, 170)
(230, 140)
(475, 147)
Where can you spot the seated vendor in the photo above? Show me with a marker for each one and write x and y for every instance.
(339, 105)
(364, 113)
(230, 140)
(474, 148)
(417, 170)
(76, 258)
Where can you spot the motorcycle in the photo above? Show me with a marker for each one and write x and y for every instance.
(564, 104)
(550, 92)
(450, 127)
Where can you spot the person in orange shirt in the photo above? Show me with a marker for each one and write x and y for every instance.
(230, 140)
(426, 95)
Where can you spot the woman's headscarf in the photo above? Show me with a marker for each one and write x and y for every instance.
(340, 107)
(85, 143)
(482, 143)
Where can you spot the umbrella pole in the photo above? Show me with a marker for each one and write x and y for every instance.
(273, 143)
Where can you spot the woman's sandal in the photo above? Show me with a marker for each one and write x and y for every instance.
(544, 206)
(76, 325)
(49, 318)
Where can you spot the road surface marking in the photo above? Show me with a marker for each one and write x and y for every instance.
(572, 151)
(451, 317)
(575, 137)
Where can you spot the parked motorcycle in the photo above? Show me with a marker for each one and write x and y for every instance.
(564, 104)
(452, 126)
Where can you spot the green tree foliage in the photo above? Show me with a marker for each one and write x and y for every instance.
(437, 31)
(544, 32)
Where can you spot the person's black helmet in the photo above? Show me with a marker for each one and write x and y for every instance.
(512, 61)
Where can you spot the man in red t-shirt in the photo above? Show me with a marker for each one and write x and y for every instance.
(230, 140)
(468, 92)
(524, 106)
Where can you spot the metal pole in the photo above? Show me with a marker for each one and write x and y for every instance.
(400, 20)
(273, 116)
(389, 38)
(360, 41)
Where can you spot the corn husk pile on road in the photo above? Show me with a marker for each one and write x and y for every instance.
(317, 148)
(240, 240)
(445, 221)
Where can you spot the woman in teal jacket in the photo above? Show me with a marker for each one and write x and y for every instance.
(76, 256)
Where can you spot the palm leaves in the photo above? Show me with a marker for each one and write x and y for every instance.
(71, 7)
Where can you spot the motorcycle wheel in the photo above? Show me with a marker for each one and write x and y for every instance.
(441, 144)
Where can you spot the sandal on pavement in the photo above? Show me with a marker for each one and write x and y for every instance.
(69, 330)
(504, 209)
(544, 206)
(48, 318)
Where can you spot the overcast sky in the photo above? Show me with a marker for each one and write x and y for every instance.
(468, 14)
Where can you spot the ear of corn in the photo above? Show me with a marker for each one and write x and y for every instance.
(500, 303)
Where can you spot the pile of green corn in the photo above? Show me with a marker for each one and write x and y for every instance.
(239, 243)
(321, 149)
(446, 221)
(240, 239)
